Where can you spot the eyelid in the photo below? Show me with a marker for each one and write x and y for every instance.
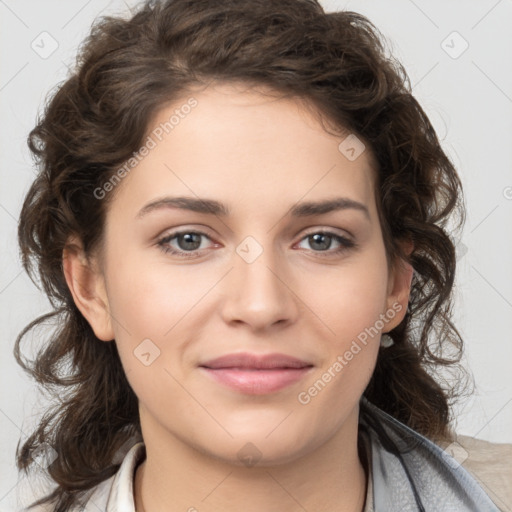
(329, 230)
(185, 228)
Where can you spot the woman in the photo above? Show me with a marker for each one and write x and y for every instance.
(240, 219)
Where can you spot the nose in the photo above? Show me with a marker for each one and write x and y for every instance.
(259, 293)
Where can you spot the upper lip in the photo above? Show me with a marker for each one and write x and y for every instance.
(257, 361)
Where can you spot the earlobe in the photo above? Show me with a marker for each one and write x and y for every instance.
(87, 288)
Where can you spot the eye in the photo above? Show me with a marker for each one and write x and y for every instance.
(187, 242)
(321, 241)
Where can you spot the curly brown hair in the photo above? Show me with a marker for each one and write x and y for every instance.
(126, 70)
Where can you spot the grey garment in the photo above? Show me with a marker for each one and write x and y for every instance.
(412, 474)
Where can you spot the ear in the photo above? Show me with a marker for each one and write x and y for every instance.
(399, 288)
(87, 286)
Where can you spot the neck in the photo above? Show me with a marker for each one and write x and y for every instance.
(178, 477)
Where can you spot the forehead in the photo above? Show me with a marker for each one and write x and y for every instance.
(246, 149)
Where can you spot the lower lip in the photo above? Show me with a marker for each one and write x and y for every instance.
(257, 382)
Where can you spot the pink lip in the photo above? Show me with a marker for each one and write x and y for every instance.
(256, 374)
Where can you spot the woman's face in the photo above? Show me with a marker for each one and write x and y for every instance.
(258, 277)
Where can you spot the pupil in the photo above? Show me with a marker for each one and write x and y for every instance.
(317, 239)
(190, 241)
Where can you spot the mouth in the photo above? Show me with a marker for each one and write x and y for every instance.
(255, 374)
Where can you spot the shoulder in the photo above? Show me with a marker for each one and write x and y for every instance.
(489, 463)
(111, 495)
(410, 470)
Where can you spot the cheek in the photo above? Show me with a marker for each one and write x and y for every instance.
(351, 298)
(157, 310)
(351, 303)
(150, 297)
(150, 308)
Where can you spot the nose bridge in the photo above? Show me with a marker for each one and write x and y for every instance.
(257, 292)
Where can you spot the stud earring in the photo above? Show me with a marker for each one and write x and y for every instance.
(386, 341)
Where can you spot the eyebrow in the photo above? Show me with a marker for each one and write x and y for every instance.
(213, 207)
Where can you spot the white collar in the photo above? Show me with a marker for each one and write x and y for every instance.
(116, 493)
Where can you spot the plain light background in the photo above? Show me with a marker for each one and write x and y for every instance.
(458, 56)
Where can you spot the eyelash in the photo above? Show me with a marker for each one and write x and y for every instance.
(345, 244)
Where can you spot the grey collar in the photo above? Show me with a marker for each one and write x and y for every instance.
(412, 474)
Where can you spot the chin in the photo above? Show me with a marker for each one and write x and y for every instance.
(254, 449)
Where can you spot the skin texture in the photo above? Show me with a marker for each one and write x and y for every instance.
(259, 156)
